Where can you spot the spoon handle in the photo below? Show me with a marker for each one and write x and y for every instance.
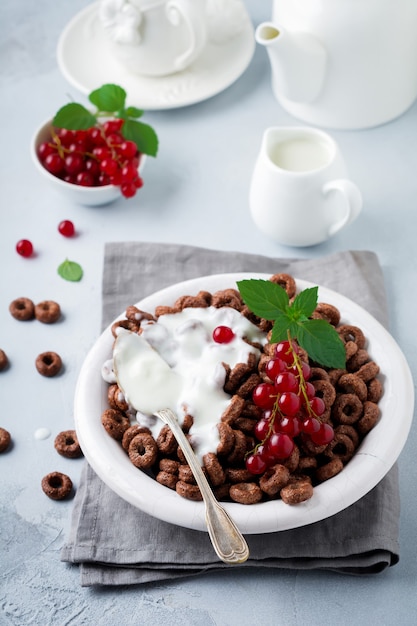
(227, 540)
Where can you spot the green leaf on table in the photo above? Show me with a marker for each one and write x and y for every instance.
(70, 270)
(108, 97)
(74, 116)
(143, 135)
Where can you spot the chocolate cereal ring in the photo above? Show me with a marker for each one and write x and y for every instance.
(274, 479)
(347, 332)
(233, 410)
(246, 493)
(143, 451)
(5, 439)
(48, 364)
(368, 371)
(327, 312)
(185, 473)
(188, 491)
(66, 444)
(286, 281)
(352, 384)
(215, 471)
(325, 391)
(166, 442)
(48, 312)
(169, 465)
(369, 418)
(357, 360)
(56, 485)
(239, 475)
(136, 316)
(168, 479)
(116, 398)
(131, 432)
(115, 422)
(329, 470)
(375, 390)
(347, 408)
(297, 491)
(349, 431)
(229, 298)
(239, 449)
(22, 309)
(341, 447)
(4, 361)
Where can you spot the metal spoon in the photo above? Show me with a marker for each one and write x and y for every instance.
(227, 540)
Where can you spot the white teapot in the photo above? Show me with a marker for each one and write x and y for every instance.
(346, 64)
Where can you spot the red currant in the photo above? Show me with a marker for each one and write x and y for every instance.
(310, 425)
(264, 395)
(274, 367)
(323, 436)
(261, 429)
(85, 179)
(280, 445)
(305, 368)
(74, 163)
(112, 126)
(255, 464)
(109, 166)
(128, 189)
(289, 425)
(54, 164)
(66, 228)
(129, 173)
(44, 149)
(223, 334)
(128, 149)
(283, 351)
(317, 405)
(24, 247)
(286, 382)
(289, 403)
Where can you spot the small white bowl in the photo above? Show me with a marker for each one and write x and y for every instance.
(89, 196)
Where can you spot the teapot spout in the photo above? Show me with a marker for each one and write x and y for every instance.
(298, 62)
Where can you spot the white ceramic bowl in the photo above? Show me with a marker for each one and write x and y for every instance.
(89, 196)
(373, 459)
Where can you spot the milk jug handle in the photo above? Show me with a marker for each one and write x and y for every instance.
(352, 202)
(187, 10)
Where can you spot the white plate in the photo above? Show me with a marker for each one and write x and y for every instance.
(374, 458)
(86, 63)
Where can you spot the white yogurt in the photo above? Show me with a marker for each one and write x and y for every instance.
(176, 363)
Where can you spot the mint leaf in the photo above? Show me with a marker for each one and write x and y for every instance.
(143, 135)
(304, 303)
(70, 270)
(74, 116)
(280, 329)
(133, 112)
(108, 98)
(322, 343)
(264, 298)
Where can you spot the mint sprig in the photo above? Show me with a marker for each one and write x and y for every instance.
(292, 320)
(110, 101)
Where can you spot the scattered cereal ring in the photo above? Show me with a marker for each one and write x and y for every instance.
(56, 485)
(329, 470)
(22, 309)
(5, 439)
(48, 364)
(131, 432)
(286, 281)
(66, 444)
(297, 491)
(246, 493)
(186, 490)
(115, 423)
(274, 479)
(4, 361)
(48, 312)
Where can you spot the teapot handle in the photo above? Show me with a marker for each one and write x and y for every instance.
(193, 15)
(352, 205)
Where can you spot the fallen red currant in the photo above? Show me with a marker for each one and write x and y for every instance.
(66, 228)
(24, 247)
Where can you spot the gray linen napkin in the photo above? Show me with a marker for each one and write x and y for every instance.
(117, 544)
